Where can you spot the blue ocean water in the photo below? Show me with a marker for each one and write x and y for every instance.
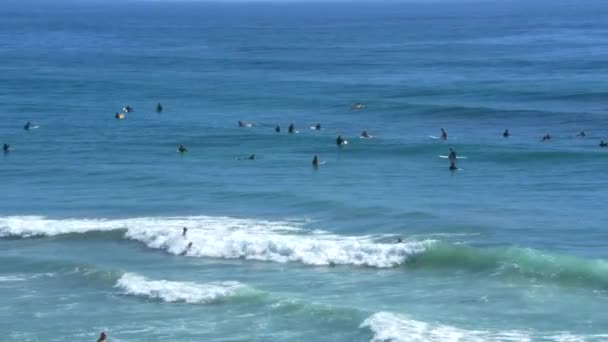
(508, 248)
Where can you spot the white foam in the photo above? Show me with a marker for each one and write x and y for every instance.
(225, 237)
(270, 245)
(175, 291)
(388, 326)
(29, 226)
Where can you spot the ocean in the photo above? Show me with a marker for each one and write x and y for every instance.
(382, 242)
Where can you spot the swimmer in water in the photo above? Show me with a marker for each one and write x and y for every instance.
(128, 109)
(315, 161)
(102, 337)
(546, 137)
(182, 148)
(27, 126)
(318, 126)
(365, 135)
(399, 240)
(184, 231)
(277, 128)
(117, 115)
(339, 140)
(602, 143)
(291, 129)
(582, 134)
(506, 134)
(159, 108)
(357, 106)
(444, 135)
(5, 148)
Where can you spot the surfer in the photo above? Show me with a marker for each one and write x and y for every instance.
(251, 157)
(27, 126)
(277, 128)
(444, 134)
(506, 134)
(399, 240)
(188, 248)
(128, 109)
(117, 115)
(546, 137)
(315, 161)
(6, 148)
(581, 134)
(159, 108)
(602, 143)
(453, 166)
(242, 124)
(318, 126)
(182, 148)
(184, 231)
(339, 140)
(102, 337)
(291, 129)
(452, 156)
(357, 106)
(365, 135)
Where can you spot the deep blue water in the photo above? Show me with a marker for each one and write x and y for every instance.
(510, 247)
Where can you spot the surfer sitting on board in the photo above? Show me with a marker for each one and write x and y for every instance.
(315, 161)
(277, 128)
(444, 135)
(452, 156)
(365, 135)
(602, 143)
(102, 337)
(6, 147)
(506, 133)
(546, 137)
(159, 108)
(291, 129)
(182, 148)
(340, 140)
(582, 134)
(27, 126)
(318, 126)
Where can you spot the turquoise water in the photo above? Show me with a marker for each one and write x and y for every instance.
(509, 248)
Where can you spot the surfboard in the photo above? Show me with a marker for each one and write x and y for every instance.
(433, 137)
(457, 157)
(322, 163)
(370, 137)
(314, 128)
(34, 127)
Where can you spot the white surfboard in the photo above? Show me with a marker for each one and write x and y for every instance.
(457, 157)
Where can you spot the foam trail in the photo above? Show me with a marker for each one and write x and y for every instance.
(269, 245)
(30, 226)
(387, 326)
(175, 291)
(392, 327)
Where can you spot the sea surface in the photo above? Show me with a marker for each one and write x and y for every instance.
(513, 246)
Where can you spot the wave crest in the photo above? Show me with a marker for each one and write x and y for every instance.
(174, 291)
